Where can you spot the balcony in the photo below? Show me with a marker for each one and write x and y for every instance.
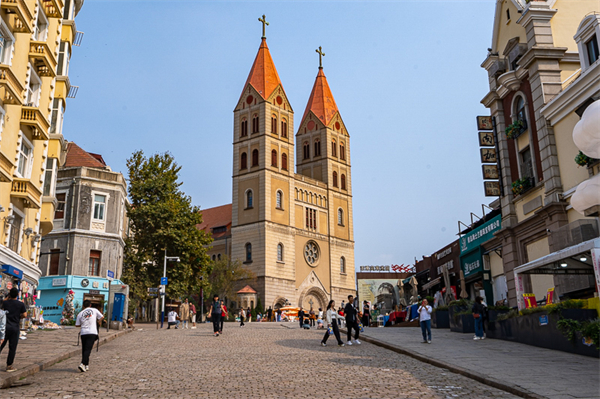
(53, 8)
(37, 122)
(47, 215)
(42, 59)
(19, 15)
(6, 168)
(11, 90)
(27, 191)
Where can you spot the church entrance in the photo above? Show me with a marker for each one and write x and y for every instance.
(313, 298)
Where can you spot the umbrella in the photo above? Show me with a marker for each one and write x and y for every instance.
(414, 284)
(463, 286)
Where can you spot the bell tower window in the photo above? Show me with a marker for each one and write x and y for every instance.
(335, 184)
(284, 129)
(333, 149)
(255, 124)
(306, 147)
(244, 128)
(244, 161)
(274, 158)
(274, 124)
(284, 161)
(342, 152)
(343, 181)
(254, 157)
(317, 147)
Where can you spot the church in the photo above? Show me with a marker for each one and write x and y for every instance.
(292, 228)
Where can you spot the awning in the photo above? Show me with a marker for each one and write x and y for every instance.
(558, 255)
(432, 283)
(13, 271)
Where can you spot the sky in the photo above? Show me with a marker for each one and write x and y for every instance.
(166, 75)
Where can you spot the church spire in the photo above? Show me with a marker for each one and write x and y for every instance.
(321, 101)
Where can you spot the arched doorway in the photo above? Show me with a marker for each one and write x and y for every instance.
(313, 297)
(279, 303)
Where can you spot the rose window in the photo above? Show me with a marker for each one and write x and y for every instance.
(311, 253)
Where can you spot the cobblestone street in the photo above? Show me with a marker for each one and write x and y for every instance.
(258, 361)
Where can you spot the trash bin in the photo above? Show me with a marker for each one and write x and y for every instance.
(118, 307)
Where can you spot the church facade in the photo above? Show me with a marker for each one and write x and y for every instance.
(292, 229)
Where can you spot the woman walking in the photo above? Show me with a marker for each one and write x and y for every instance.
(331, 316)
(478, 311)
(242, 317)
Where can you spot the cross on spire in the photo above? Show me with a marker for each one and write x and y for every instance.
(321, 55)
(264, 22)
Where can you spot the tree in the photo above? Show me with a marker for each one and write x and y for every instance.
(224, 279)
(162, 218)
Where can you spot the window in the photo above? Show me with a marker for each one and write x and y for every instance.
(7, 41)
(61, 198)
(279, 200)
(333, 149)
(311, 218)
(58, 112)
(274, 158)
(520, 109)
(343, 265)
(40, 32)
(64, 57)
(218, 256)
(284, 163)
(214, 258)
(248, 252)
(343, 181)
(335, 179)
(311, 253)
(25, 158)
(244, 128)
(54, 262)
(306, 147)
(94, 267)
(15, 232)
(284, 130)
(69, 9)
(280, 252)
(249, 199)
(317, 147)
(2, 114)
(274, 124)
(526, 164)
(340, 217)
(342, 152)
(592, 49)
(507, 15)
(99, 204)
(50, 175)
(244, 161)
(255, 124)
(254, 157)
(33, 88)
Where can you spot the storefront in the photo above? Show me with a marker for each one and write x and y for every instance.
(477, 274)
(446, 259)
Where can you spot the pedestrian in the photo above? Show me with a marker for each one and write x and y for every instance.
(88, 320)
(478, 312)
(193, 315)
(366, 314)
(301, 316)
(425, 321)
(2, 321)
(331, 316)
(249, 314)
(242, 317)
(269, 314)
(172, 319)
(279, 311)
(184, 314)
(216, 310)
(15, 311)
(351, 321)
(223, 316)
(312, 316)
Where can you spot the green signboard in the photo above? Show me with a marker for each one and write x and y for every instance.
(471, 263)
(481, 234)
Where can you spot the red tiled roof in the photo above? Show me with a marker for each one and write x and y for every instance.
(219, 216)
(263, 75)
(246, 290)
(77, 157)
(321, 101)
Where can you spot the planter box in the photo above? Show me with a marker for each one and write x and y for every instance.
(528, 330)
(440, 319)
(490, 325)
(463, 323)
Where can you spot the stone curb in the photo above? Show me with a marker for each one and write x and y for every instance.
(35, 368)
(510, 388)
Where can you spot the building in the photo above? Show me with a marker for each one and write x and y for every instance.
(35, 49)
(294, 231)
(543, 73)
(217, 222)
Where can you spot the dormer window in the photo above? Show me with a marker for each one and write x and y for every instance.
(586, 38)
(592, 49)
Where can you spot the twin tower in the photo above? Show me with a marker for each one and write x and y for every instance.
(292, 228)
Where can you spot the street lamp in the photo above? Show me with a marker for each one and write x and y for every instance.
(162, 314)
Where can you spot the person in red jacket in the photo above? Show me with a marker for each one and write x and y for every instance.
(223, 316)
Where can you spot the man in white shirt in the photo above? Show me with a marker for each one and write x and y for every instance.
(87, 319)
(172, 320)
(425, 321)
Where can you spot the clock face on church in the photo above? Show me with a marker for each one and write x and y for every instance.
(311, 253)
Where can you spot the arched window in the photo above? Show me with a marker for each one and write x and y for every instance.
(333, 148)
(284, 131)
(249, 199)
(317, 147)
(274, 124)
(214, 258)
(284, 165)
(340, 217)
(219, 257)
(342, 152)
(279, 199)
(244, 128)
(343, 265)
(274, 158)
(306, 150)
(343, 181)
(248, 252)
(255, 124)
(335, 179)
(520, 109)
(280, 252)
(254, 157)
(244, 161)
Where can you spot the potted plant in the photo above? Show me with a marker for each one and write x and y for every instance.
(440, 318)
(460, 316)
(516, 128)
(583, 160)
(521, 185)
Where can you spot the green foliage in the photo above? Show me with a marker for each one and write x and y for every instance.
(259, 306)
(568, 304)
(532, 310)
(224, 279)
(521, 185)
(591, 329)
(459, 302)
(583, 160)
(499, 308)
(441, 308)
(509, 315)
(515, 129)
(162, 218)
(569, 328)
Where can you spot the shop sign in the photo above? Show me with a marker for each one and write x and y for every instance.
(9, 285)
(480, 235)
(13, 271)
(448, 265)
(57, 282)
(544, 320)
(95, 292)
(484, 123)
(486, 139)
(491, 188)
(471, 263)
(488, 155)
(490, 172)
(388, 269)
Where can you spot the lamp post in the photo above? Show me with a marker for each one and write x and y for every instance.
(164, 287)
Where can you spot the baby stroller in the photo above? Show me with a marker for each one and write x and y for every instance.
(306, 324)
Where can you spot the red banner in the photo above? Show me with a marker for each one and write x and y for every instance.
(550, 296)
(530, 301)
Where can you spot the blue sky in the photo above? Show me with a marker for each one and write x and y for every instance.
(165, 76)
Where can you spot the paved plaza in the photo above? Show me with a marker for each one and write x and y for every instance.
(261, 360)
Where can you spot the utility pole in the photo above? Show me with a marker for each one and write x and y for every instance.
(164, 286)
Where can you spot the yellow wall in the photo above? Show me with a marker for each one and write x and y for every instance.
(278, 215)
(531, 194)
(566, 21)
(496, 265)
(303, 269)
(510, 30)
(248, 215)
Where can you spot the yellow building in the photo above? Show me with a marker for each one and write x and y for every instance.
(541, 81)
(294, 231)
(36, 39)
